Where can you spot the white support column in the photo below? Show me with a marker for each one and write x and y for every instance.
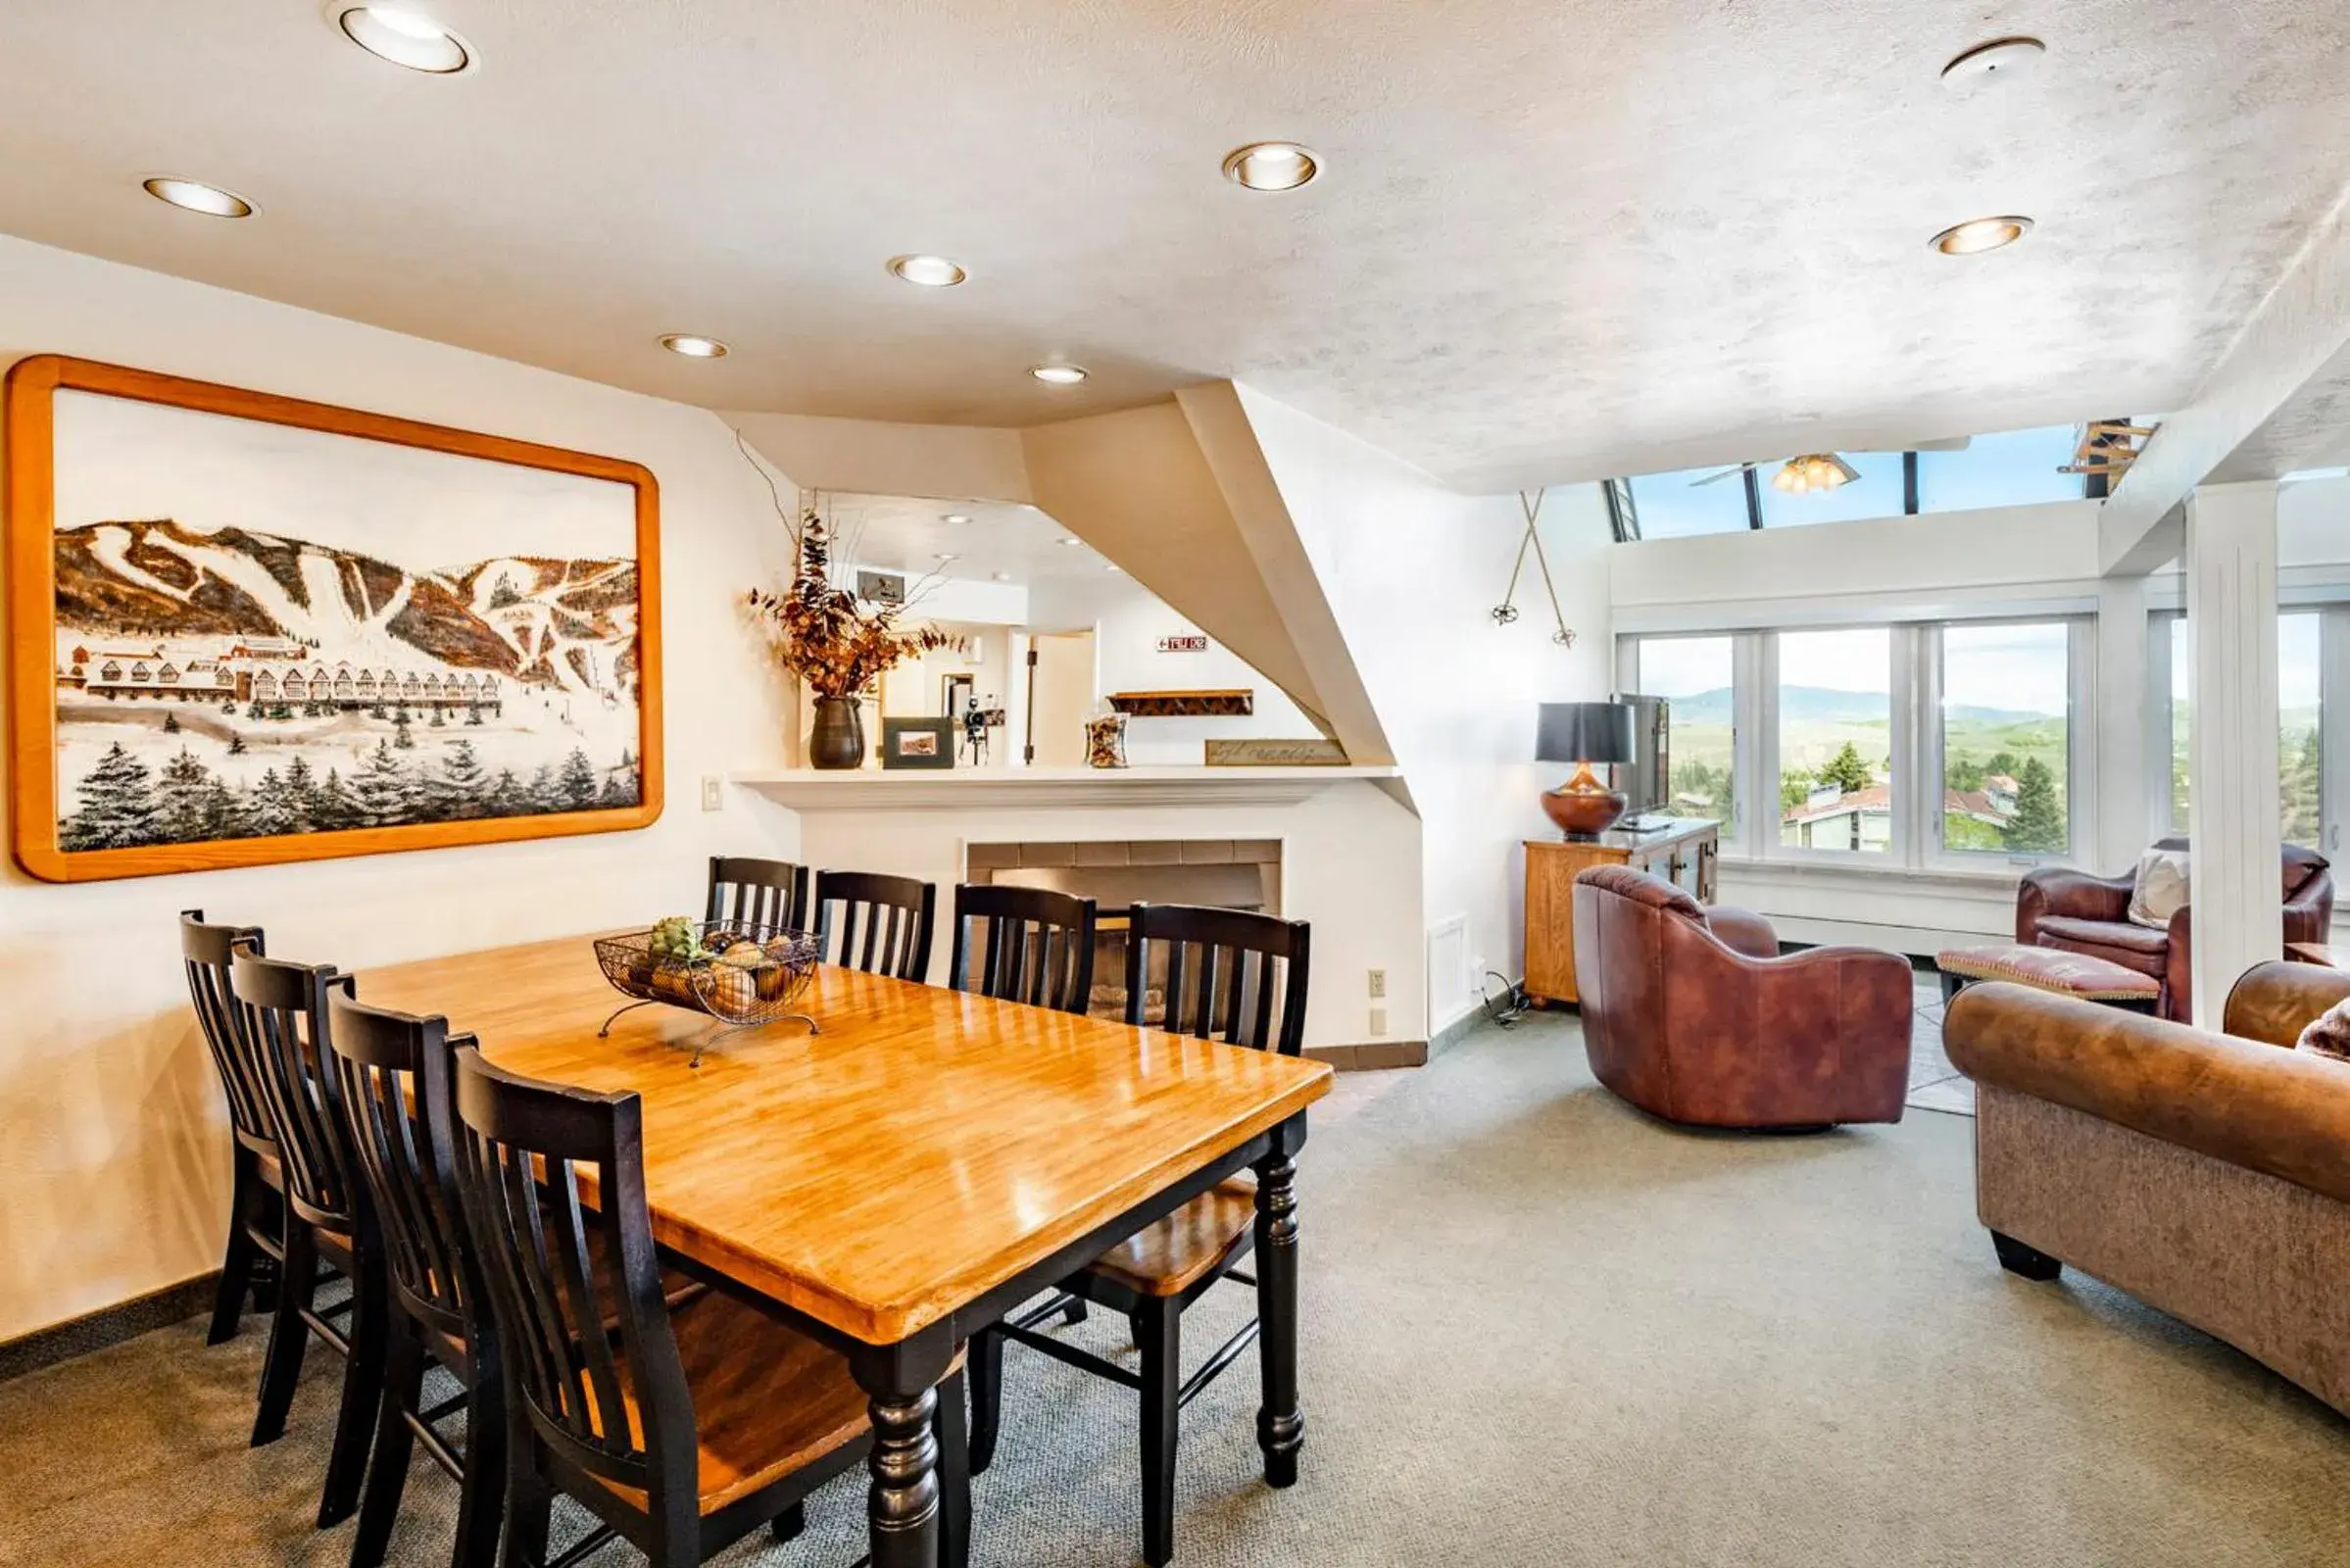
(2231, 606)
(2122, 825)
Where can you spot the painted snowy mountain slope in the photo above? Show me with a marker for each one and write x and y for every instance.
(563, 624)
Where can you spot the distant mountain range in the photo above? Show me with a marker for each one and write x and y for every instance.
(564, 625)
(1819, 705)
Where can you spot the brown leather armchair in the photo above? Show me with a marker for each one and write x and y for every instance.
(2072, 910)
(1692, 1014)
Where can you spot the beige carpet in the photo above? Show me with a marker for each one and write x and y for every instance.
(1543, 1329)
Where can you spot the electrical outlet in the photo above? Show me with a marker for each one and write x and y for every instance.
(1378, 983)
(712, 799)
(1477, 973)
(1379, 1020)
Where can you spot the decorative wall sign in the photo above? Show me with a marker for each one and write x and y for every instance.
(246, 629)
(881, 587)
(1201, 704)
(1317, 751)
(1183, 645)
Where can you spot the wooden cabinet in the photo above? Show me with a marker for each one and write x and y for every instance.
(1684, 852)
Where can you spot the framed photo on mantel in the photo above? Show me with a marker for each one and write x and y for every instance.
(246, 629)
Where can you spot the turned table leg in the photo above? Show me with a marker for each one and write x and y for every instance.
(902, 1507)
(1280, 1423)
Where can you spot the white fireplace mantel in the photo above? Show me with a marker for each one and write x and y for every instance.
(1017, 788)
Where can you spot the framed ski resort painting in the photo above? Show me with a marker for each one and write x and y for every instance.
(245, 629)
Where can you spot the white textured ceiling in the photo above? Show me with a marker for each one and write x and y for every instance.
(910, 533)
(1555, 237)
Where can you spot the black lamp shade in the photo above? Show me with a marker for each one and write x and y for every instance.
(1585, 732)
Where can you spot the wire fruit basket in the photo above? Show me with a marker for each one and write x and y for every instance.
(737, 974)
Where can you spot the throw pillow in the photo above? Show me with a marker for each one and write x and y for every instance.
(2162, 888)
(2328, 1033)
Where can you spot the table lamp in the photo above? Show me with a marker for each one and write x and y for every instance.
(1583, 733)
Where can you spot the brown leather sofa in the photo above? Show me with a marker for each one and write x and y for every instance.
(2206, 1175)
(1692, 1014)
(2061, 908)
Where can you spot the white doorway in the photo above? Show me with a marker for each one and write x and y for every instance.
(1060, 690)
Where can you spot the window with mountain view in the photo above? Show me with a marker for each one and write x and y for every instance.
(1836, 771)
(2006, 735)
(2300, 727)
(1693, 674)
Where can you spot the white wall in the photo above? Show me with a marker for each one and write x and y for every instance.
(1924, 564)
(1128, 620)
(114, 1153)
(1413, 570)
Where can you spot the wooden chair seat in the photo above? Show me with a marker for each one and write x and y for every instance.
(767, 1400)
(1178, 1251)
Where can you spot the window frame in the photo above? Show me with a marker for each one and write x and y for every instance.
(2081, 747)
(2334, 739)
(1914, 745)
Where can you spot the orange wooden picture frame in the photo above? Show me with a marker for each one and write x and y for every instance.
(31, 555)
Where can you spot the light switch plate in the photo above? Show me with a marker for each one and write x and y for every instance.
(1379, 1020)
(712, 800)
(1378, 983)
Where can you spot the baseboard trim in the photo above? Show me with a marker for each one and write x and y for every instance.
(1372, 1055)
(1454, 1033)
(109, 1325)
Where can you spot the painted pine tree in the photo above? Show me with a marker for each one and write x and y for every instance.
(334, 806)
(302, 789)
(181, 792)
(118, 809)
(381, 788)
(507, 796)
(271, 811)
(545, 796)
(577, 785)
(464, 784)
(223, 813)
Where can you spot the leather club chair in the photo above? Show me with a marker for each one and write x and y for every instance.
(1691, 1013)
(2077, 912)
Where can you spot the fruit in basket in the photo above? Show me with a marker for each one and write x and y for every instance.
(743, 955)
(675, 940)
(729, 992)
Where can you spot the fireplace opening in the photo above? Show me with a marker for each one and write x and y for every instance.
(1224, 873)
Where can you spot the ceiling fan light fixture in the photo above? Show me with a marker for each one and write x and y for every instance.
(1812, 471)
(1976, 235)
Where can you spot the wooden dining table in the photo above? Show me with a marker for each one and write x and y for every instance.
(904, 1176)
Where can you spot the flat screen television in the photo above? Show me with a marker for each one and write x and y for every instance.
(1647, 779)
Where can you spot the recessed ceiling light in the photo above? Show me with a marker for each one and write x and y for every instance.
(1111, 566)
(197, 197)
(1271, 165)
(693, 346)
(957, 517)
(1070, 539)
(2000, 56)
(945, 556)
(1978, 235)
(1003, 576)
(931, 272)
(407, 38)
(1057, 374)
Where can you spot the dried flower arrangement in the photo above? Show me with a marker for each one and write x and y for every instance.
(824, 634)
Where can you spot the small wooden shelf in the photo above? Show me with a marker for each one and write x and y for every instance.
(1203, 703)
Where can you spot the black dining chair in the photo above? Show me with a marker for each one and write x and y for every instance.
(282, 1008)
(878, 923)
(768, 893)
(680, 1430)
(255, 1249)
(395, 1080)
(1229, 975)
(1027, 945)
